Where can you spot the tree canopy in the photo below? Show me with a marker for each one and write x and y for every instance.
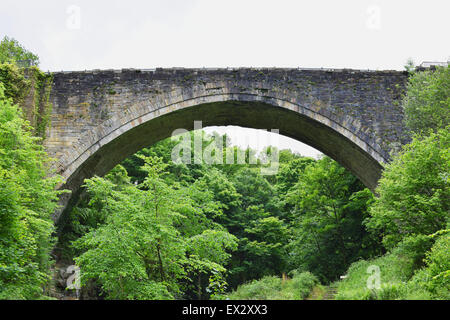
(12, 51)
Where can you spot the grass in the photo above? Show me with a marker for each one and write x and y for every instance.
(400, 273)
(417, 269)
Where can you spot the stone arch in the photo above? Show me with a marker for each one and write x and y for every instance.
(98, 150)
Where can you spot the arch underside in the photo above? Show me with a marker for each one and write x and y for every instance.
(349, 152)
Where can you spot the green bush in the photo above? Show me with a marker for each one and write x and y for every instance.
(412, 250)
(262, 289)
(435, 277)
(16, 87)
(410, 271)
(27, 199)
(414, 197)
(12, 51)
(302, 284)
(274, 288)
(396, 268)
(427, 101)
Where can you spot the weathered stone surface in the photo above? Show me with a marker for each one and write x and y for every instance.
(101, 117)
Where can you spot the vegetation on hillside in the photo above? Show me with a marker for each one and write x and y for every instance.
(27, 200)
(427, 101)
(411, 215)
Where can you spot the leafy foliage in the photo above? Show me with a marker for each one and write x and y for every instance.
(330, 205)
(404, 274)
(274, 288)
(138, 252)
(414, 193)
(435, 277)
(427, 103)
(12, 51)
(14, 82)
(236, 225)
(412, 210)
(27, 199)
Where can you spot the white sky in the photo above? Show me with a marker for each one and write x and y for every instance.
(115, 34)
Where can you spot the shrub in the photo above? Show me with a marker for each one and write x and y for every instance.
(414, 197)
(400, 273)
(273, 288)
(435, 277)
(262, 289)
(427, 101)
(302, 284)
(413, 250)
(12, 51)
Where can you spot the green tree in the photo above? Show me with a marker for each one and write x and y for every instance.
(290, 172)
(208, 254)
(200, 209)
(223, 189)
(145, 241)
(264, 247)
(12, 51)
(15, 85)
(414, 193)
(255, 190)
(137, 252)
(330, 205)
(437, 271)
(427, 102)
(27, 200)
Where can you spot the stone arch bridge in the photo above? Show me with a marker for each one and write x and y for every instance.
(100, 117)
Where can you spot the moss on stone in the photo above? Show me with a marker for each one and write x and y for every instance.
(30, 88)
(42, 106)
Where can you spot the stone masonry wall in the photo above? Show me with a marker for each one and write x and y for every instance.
(92, 108)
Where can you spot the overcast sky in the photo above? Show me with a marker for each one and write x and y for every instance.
(115, 34)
